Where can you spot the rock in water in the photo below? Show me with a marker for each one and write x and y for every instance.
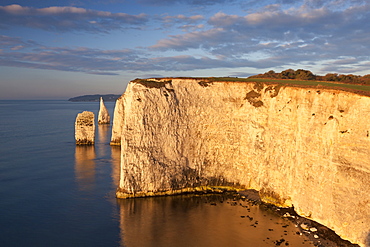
(117, 122)
(85, 128)
(103, 117)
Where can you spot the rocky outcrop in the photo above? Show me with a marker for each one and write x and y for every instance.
(85, 128)
(103, 116)
(302, 147)
(118, 119)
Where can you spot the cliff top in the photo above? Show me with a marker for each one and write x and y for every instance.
(207, 81)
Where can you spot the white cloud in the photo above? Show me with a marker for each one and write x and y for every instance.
(67, 19)
(287, 36)
(108, 62)
(15, 43)
(182, 18)
(275, 35)
(189, 2)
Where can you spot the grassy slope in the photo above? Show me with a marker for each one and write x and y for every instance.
(354, 88)
(359, 89)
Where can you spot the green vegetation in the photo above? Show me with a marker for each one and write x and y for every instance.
(294, 78)
(301, 74)
(152, 83)
(305, 78)
(294, 82)
(325, 84)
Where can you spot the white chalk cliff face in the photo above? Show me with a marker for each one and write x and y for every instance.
(118, 119)
(103, 116)
(300, 147)
(85, 128)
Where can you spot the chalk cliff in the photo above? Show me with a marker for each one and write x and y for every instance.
(85, 128)
(302, 147)
(118, 119)
(103, 116)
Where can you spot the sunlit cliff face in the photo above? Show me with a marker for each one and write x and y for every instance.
(85, 128)
(103, 116)
(301, 147)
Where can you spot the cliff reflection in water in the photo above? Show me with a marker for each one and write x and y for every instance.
(85, 167)
(213, 220)
(116, 160)
(90, 158)
(102, 139)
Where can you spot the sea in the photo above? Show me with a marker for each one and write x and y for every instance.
(54, 193)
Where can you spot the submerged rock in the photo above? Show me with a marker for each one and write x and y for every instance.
(103, 117)
(85, 128)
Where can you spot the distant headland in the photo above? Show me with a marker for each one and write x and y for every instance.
(95, 97)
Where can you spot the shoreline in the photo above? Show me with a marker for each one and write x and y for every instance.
(319, 234)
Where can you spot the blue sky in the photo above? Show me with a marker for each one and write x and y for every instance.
(65, 48)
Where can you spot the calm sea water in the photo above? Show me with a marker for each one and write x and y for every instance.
(54, 193)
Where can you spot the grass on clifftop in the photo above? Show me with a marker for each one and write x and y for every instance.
(355, 88)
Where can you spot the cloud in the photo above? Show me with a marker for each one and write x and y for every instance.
(314, 33)
(182, 22)
(103, 73)
(189, 2)
(113, 62)
(67, 19)
(107, 62)
(13, 43)
(275, 35)
(187, 28)
(80, 59)
(151, 76)
(241, 74)
(182, 19)
(200, 39)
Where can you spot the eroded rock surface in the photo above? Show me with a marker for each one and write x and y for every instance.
(103, 116)
(118, 119)
(85, 128)
(300, 147)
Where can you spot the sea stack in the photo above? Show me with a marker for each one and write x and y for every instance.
(103, 117)
(85, 128)
(118, 120)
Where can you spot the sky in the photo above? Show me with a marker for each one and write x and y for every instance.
(58, 49)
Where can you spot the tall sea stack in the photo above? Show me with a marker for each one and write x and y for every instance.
(103, 117)
(302, 147)
(117, 122)
(85, 128)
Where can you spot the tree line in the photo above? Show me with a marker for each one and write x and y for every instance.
(301, 74)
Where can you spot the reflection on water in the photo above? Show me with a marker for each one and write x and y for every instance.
(213, 220)
(85, 167)
(116, 161)
(86, 158)
(103, 133)
(102, 139)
